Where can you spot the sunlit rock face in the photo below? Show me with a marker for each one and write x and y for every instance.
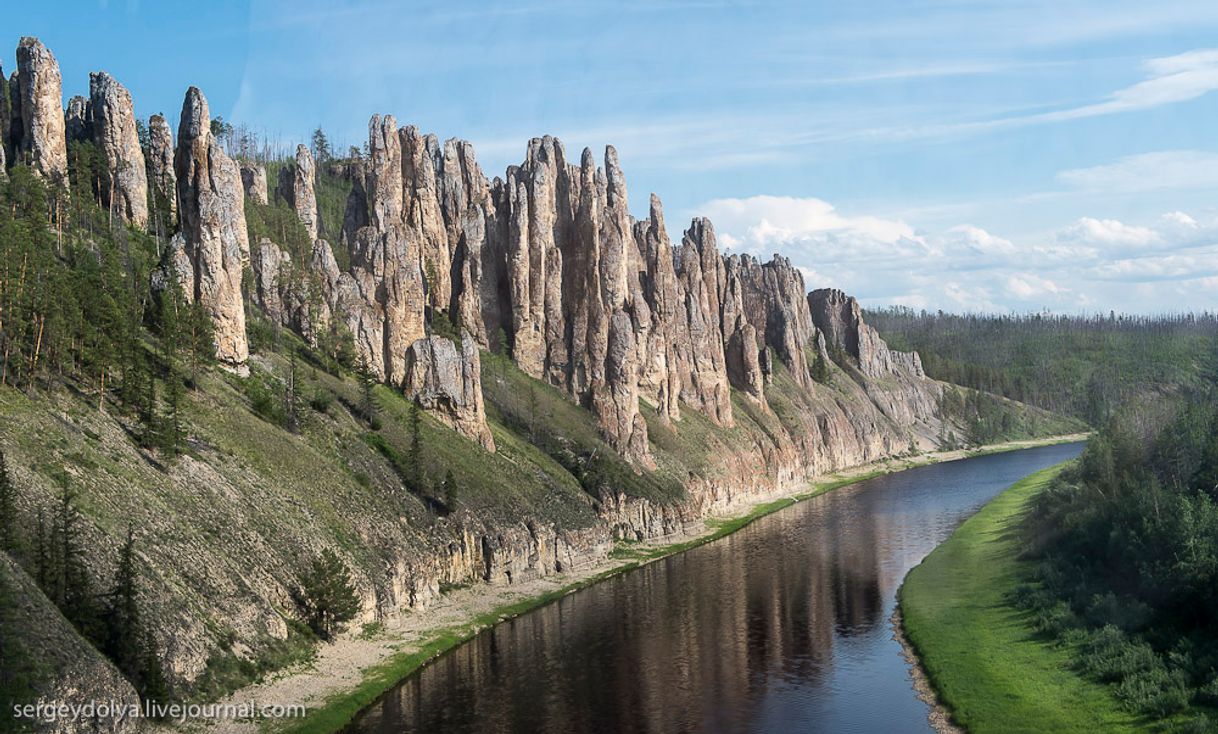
(38, 99)
(112, 119)
(213, 234)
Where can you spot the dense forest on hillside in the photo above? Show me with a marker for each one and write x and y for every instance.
(1125, 546)
(1084, 366)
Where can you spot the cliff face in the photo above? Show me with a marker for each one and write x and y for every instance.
(213, 236)
(39, 104)
(612, 383)
(113, 122)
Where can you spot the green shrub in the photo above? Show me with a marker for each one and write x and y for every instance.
(1155, 691)
(1109, 655)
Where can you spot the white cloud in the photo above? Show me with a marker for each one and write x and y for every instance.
(1091, 263)
(1171, 79)
(1168, 169)
(1107, 233)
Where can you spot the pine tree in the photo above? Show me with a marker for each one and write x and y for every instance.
(450, 491)
(367, 396)
(327, 595)
(123, 627)
(8, 524)
(147, 414)
(171, 430)
(820, 369)
(291, 396)
(321, 146)
(416, 448)
(42, 559)
(70, 587)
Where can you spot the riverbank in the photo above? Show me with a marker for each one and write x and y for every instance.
(351, 673)
(981, 655)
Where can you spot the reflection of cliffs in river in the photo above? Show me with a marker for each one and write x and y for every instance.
(782, 626)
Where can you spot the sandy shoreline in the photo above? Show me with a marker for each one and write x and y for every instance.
(341, 666)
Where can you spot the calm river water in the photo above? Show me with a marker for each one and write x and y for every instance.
(780, 627)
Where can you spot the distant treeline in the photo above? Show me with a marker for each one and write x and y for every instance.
(1083, 366)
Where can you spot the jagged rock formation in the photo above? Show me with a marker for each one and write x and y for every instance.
(213, 236)
(77, 121)
(355, 214)
(40, 101)
(468, 214)
(424, 219)
(271, 266)
(448, 383)
(774, 302)
(161, 176)
(296, 187)
(253, 180)
(840, 317)
(13, 133)
(701, 273)
(382, 299)
(113, 125)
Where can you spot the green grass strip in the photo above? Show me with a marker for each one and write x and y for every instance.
(983, 656)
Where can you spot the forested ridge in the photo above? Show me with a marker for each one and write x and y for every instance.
(1084, 366)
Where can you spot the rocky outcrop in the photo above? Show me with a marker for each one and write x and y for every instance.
(214, 237)
(666, 344)
(253, 180)
(113, 126)
(40, 99)
(447, 383)
(840, 317)
(77, 120)
(424, 218)
(296, 187)
(468, 215)
(355, 214)
(271, 267)
(161, 177)
(701, 273)
(382, 298)
(773, 300)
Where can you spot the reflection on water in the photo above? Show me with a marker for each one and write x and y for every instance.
(780, 627)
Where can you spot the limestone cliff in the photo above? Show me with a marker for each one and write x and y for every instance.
(112, 119)
(39, 100)
(213, 234)
(296, 187)
(447, 381)
(161, 176)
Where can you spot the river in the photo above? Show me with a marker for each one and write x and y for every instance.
(780, 627)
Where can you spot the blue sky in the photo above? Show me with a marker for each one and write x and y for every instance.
(961, 155)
